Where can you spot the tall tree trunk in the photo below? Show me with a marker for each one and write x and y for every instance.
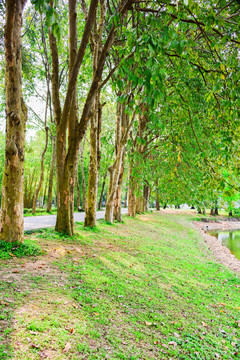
(114, 171)
(131, 195)
(83, 175)
(146, 197)
(157, 197)
(65, 160)
(78, 193)
(91, 205)
(30, 190)
(11, 225)
(212, 211)
(102, 191)
(67, 165)
(42, 169)
(126, 198)
(26, 190)
(94, 161)
(123, 126)
(117, 215)
(140, 204)
(45, 191)
(51, 174)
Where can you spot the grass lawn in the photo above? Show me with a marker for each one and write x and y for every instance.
(145, 289)
(39, 212)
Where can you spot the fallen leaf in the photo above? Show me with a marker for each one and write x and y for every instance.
(15, 271)
(176, 335)
(96, 314)
(204, 324)
(43, 355)
(148, 323)
(69, 252)
(172, 343)
(11, 254)
(75, 306)
(67, 347)
(72, 331)
(34, 346)
(4, 303)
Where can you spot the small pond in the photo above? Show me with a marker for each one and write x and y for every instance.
(230, 239)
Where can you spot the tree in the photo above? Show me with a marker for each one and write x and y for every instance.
(11, 227)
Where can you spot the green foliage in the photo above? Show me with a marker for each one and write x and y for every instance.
(8, 250)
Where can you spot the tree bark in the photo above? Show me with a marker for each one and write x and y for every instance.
(117, 215)
(11, 225)
(67, 164)
(140, 204)
(123, 126)
(78, 193)
(91, 205)
(83, 175)
(126, 198)
(146, 197)
(42, 171)
(94, 161)
(66, 158)
(102, 191)
(131, 195)
(157, 197)
(50, 184)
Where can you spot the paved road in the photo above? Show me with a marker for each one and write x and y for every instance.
(39, 222)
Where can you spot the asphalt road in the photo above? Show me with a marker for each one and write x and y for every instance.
(40, 222)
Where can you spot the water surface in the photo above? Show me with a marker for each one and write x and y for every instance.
(230, 239)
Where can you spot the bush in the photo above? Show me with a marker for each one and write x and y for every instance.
(236, 212)
(27, 211)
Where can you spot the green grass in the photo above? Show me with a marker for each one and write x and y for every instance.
(39, 212)
(145, 289)
(9, 250)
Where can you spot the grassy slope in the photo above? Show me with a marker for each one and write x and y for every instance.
(145, 289)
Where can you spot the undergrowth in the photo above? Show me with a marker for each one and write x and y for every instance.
(11, 249)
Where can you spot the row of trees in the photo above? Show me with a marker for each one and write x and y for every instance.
(149, 88)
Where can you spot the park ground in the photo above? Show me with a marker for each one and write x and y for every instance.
(149, 288)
